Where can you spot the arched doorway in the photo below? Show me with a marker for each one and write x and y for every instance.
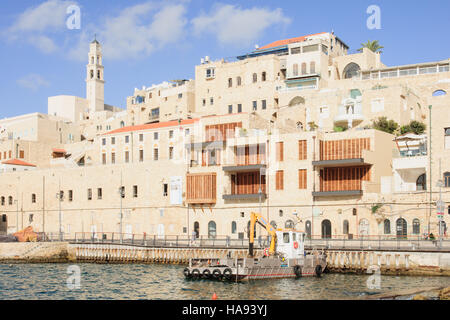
(387, 226)
(326, 229)
(197, 229)
(402, 228)
(421, 183)
(345, 227)
(308, 229)
(4, 224)
(364, 228)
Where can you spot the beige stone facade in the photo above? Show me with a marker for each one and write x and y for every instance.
(292, 118)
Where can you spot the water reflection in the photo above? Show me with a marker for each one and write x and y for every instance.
(48, 281)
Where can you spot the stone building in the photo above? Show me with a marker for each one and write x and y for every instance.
(285, 130)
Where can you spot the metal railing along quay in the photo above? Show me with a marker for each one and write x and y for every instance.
(382, 243)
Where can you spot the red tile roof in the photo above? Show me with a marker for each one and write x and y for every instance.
(152, 126)
(17, 162)
(288, 41)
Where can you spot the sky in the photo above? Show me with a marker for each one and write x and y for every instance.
(148, 42)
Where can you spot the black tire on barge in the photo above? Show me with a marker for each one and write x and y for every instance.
(206, 274)
(228, 274)
(195, 273)
(318, 270)
(217, 274)
(187, 273)
(298, 271)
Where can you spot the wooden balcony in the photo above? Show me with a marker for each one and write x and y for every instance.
(201, 188)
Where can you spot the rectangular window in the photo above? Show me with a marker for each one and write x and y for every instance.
(113, 140)
(210, 73)
(165, 189)
(180, 95)
(230, 108)
(21, 154)
(113, 158)
(211, 101)
(170, 134)
(127, 139)
(141, 137)
(99, 193)
(127, 156)
(104, 141)
(279, 180)
(70, 195)
(33, 198)
(204, 102)
(104, 158)
(155, 136)
(302, 176)
(155, 154)
(135, 191)
(141, 155)
(264, 104)
(302, 150)
(447, 138)
(255, 105)
(280, 151)
(89, 194)
(170, 153)
(239, 108)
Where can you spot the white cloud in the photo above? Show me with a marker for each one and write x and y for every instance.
(33, 82)
(236, 26)
(136, 32)
(36, 23)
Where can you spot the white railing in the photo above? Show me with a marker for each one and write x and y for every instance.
(402, 72)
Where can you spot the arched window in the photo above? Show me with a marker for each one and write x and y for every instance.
(263, 76)
(273, 224)
(233, 227)
(3, 201)
(345, 227)
(280, 213)
(304, 68)
(92, 74)
(212, 230)
(416, 226)
(197, 229)
(387, 226)
(230, 82)
(439, 93)
(421, 183)
(98, 74)
(326, 229)
(255, 77)
(447, 179)
(289, 224)
(312, 67)
(352, 70)
(238, 81)
(122, 124)
(308, 228)
(402, 228)
(295, 70)
(10, 200)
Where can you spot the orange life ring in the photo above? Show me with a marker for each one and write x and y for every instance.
(266, 252)
(295, 245)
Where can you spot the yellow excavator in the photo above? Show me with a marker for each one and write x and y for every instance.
(257, 218)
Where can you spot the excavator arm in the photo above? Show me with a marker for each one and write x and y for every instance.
(257, 218)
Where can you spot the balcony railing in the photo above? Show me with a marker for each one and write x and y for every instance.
(402, 72)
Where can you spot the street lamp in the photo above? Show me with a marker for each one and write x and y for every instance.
(60, 197)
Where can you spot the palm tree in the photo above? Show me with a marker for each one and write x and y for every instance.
(372, 45)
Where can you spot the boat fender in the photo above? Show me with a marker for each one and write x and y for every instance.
(206, 273)
(217, 274)
(187, 273)
(195, 273)
(227, 273)
(318, 270)
(298, 271)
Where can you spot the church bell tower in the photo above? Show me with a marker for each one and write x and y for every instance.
(95, 84)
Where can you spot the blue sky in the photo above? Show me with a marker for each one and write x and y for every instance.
(147, 42)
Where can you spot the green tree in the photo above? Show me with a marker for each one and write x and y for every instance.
(374, 46)
(415, 127)
(385, 125)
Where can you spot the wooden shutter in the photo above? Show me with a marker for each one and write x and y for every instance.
(302, 179)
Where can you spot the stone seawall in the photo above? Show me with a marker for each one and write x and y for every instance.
(36, 252)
